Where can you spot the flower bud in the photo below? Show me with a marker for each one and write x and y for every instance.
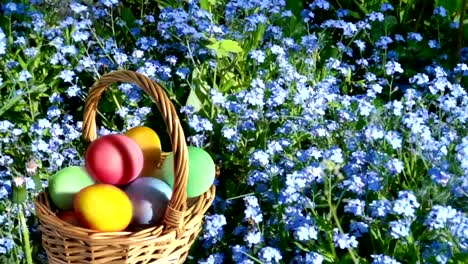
(19, 192)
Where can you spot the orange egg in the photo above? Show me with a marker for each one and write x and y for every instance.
(103, 207)
(150, 145)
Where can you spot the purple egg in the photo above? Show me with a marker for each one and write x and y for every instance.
(149, 197)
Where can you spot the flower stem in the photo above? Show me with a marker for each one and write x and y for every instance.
(335, 217)
(25, 232)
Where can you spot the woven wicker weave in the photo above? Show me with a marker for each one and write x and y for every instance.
(167, 243)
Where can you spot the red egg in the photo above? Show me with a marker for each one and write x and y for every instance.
(70, 217)
(114, 159)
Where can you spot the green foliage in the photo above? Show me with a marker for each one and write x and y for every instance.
(224, 47)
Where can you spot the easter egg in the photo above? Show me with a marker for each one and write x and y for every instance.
(150, 145)
(149, 197)
(201, 172)
(103, 207)
(157, 173)
(66, 183)
(114, 159)
(70, 217)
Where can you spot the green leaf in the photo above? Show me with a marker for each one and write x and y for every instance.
(296, 7)
(207, 4)
(23, 64)
(451, 5)
(194, 101)
(230, 46)
(13, 101)
(301, 247)
(128, 16)
(390, 22)
(224, 47)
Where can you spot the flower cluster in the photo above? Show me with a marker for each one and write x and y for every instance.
(352, 151)
(339, 139)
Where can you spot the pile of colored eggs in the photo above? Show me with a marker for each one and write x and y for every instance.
(121, 184)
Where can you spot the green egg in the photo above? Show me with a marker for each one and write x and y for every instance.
(201, 171)
(66, 183)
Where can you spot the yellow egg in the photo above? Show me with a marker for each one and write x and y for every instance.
(103, 207)
(150, 144)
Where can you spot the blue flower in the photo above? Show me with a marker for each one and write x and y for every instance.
(383, 42)
(440, 11)
(376, 16)
(31, 52)
(439, 176)
(230, 134)
(458, 226)
(109, 3)
(374, 133)
(67, 75)
(340, 13)
(24, 76)
(439, 84)
(365, 107)
(253, 211)
(360, 44)
(258, 55)
(455, 25)
(406, 204)
(419, 79)
(200, 124)
(78, 8)
(440, 216)
(213, 229)
(53, 112)
(393, 67)
(394, 138)
(5, 125)
(120, 58)
(6, 161)
(253, 237)
(270, 255)
(380, 208)
(383, 259)
(217, 258)
(399, 228)
(314, 258)
(259, 158)
(440, 251)
(6, 244)
(344, 240)
(73, 90)
(253, 21)
(335, 154)
(386, 7)
(460, 187)
(239, 254)
(355, 206)
(320, 4)
(433, 44)
(305, 233)
(395, 166)
(415, 36)
(373, 181)
(358, 229)
(183, 72)
(310, 42)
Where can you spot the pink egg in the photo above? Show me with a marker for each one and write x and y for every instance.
(114, 159)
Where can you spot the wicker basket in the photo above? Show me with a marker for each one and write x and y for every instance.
(166, 243)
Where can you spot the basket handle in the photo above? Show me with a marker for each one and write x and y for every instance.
(174, 215)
